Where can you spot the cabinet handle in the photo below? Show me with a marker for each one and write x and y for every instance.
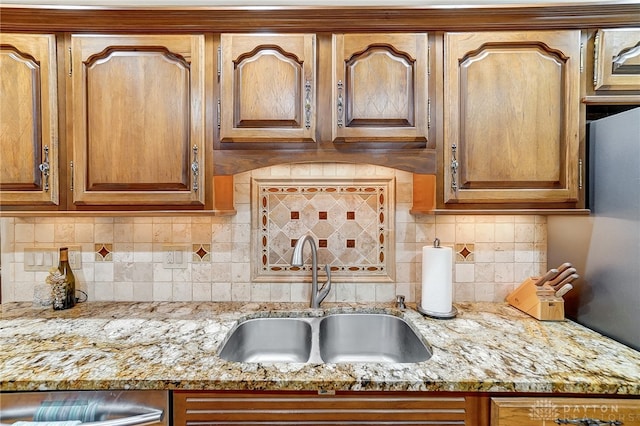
(580, 175)
(307, 104)
(44, 168)
(218, 114)
(589, 422)
(71, 167)
(70, 63)
(596, 58)
(454, 168)
(340, 104)
(195, 168)
(219, 62)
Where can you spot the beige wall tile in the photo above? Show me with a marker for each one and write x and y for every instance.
(44, 233)
(221, 292)
(504, 250)
(201, 292)
(25, 233)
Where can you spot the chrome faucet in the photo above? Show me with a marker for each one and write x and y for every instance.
(317, 295)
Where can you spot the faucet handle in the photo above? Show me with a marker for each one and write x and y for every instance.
(327, 270)
(400, 302)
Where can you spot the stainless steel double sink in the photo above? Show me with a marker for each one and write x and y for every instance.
(335, 338)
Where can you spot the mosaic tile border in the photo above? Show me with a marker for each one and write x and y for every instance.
(352, 222)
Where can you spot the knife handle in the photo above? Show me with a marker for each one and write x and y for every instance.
(564, 290)
(561, 277)
(549, 275)
(571, 278)
(564, 267)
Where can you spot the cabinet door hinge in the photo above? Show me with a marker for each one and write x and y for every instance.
(219, 62)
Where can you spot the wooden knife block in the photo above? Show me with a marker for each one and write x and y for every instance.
(538, 301)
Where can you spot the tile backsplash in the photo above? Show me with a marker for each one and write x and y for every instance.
(352, 223)
(202, 258)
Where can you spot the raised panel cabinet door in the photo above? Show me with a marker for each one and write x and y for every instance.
(28, 120)
(138, 119)
(617, 59)
(511, 117)
(380, 91)
(267, 88)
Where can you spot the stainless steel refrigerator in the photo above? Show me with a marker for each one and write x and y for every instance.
(605, 246)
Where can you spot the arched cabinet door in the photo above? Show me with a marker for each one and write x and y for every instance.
(267, 88)
(28, 120)
(380, 88)
(138, 120)
(617, 59)
(511, 118)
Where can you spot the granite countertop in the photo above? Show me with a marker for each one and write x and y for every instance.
(488, 347)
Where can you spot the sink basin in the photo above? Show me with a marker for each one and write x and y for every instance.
(369, 338)
(269, 340)
(337, 338)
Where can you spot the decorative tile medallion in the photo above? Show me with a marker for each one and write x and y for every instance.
(464, 253)
(351, 222)
(201, 253)
(104, 252)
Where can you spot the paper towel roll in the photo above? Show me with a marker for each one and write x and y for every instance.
(437, 288)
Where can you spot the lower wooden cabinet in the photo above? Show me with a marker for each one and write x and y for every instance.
(316, 408)
(537, 411)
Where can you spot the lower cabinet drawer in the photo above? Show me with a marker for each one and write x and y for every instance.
(265, 408)
(539, 411)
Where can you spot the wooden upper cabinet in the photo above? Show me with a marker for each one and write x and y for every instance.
(380, 90)
(28, 120)
(617, 59)
(511, 118)
(267, 88)
(137, 106)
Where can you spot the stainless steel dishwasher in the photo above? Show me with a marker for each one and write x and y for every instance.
(86, 408)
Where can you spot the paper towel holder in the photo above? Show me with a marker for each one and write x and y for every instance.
(438, 315)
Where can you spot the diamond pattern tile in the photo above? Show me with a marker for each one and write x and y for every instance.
(347, 219)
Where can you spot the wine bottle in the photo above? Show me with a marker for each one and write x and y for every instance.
(65, 295)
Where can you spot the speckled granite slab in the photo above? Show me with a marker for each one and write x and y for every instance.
(486, 348)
